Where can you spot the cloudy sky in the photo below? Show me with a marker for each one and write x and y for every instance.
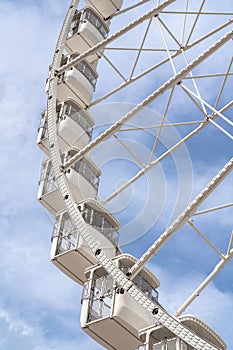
(39, 306)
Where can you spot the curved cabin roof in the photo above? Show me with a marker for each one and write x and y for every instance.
(203, 330)
(79, 109)
(129, 260)
(71, 152)
(65, 59)
(159, 332)
(79, 13)
(94, 204)
(103, 21)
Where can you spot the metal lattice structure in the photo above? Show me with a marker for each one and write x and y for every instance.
(178, 49)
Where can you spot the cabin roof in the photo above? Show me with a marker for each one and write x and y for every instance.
(159, 332)
(94, 204)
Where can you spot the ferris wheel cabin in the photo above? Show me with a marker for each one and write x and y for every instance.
(105, 7)
(82, 177)
(109, 314)
(74, 127)
(87, 29)
(77, 83)
(70, 253)
(160, 338)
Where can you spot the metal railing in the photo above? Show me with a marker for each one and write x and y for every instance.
(47, 179)
(100, 298)
(84, 68)
(96, 22)
(72, 111)
(96, 219)
(67, 234)
(143, 285)
(90, 16)
(84, 168)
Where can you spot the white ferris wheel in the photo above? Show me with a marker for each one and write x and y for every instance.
(138, 139)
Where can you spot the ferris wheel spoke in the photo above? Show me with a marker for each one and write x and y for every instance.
(221, 264)
(171, 82)
(202, 76)
(142, 74)
(221, 129)
(115, 68)
(140, 48)
(217, 13)
(155, 162)
(209, 34)
(195, 22)
(149, 127)
(129, 151)
(213, 209)
(182, 218)
(195, 86)
(130, 81)
(167, 49)
(215, 112)
(184, 22)
(136, 49)
(161, 125)
(230, 244)
(191, 224)
(115, 36)
(162, 23)
(223, 83)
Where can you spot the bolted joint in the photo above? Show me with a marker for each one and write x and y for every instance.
(98, 251)
(155, 311)
(120, 290)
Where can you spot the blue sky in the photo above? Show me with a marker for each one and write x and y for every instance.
(39, 306)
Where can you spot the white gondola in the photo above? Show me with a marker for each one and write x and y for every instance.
(160, 338)
(70, 253)
(82, 177)
(87, 29)
(77, 83)
(74, 127)
(105, 7)
(109, 314)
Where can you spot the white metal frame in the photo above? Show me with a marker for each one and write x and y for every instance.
(172, 323)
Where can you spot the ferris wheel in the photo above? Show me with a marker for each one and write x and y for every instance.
(139, 93)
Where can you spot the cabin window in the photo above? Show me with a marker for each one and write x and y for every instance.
(91, 17)
(85, 168)
(101, 298)
(76, 114)
(74, 25)
(84, 68)
(143, 285)
(96, 22)
(67, 234)
(48, 178)
(96, 219)
(43, 129)
(44, 134)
